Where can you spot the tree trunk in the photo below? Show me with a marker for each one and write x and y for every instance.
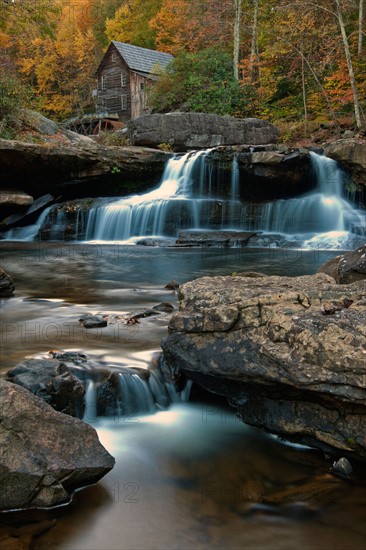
(360, 22)
(253, 51)
(321, 88)
(237, 21)
(356, 102)
(304, 91)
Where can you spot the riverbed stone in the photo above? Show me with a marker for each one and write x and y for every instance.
(166, 307)
(214, 238)
(265, 344)
(54, 382)
(93, 321)
(45, 455)
(7, 285)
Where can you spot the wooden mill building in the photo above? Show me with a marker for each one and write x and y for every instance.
(124, 75)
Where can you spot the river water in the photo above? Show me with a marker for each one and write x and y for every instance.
(191, 476)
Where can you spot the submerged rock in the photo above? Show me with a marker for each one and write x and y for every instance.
(7, 286)
(213, 238)
(166, 307)
(54, 382)
(342, 467)
(93, 321)
(45, 455)
(172, 285)
(265, 344)
(348, 267)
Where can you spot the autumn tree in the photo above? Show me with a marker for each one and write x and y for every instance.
(61, 66)
(130, 23)
(184, 25)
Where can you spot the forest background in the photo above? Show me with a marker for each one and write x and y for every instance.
(300, 65)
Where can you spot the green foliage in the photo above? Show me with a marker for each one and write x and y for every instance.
(13, 96)
(113, 138)
(165, 147)
(202, 82)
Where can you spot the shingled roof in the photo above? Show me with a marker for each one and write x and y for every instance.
(142, 59)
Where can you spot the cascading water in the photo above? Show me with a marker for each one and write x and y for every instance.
(322, 215)
(125, 394)
(146, 214)
(28, 232)
(196, 193)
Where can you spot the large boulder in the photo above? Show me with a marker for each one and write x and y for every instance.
(351, 153)
(53, 381)
(288, 353)
(39, 124)
(347, 267)
(45, 455)
(33, 166)
(199, 130)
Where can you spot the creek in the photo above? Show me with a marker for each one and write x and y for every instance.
(189, 475)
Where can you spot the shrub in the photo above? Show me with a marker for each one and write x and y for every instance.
(113, 138)
(13, 96)
(202, 82)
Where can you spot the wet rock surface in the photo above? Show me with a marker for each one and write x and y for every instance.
(93, 321)
(53, 381)
(212, 238)
(348, 267)
(266, 344)
(45, 455)
(352, 154)
(7, 285)
(29, 215)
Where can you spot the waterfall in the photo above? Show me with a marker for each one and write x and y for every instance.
(197, 193)
(28, 232)
(126, 394)
(142, 215)
(180, 202)
(323, 211)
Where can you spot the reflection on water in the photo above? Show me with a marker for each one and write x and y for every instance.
(58, 283)
(195, 477)
(192, 476)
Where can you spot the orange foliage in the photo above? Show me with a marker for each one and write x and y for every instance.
(192, 26)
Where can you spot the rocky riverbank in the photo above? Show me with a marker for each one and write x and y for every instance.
(287, 352)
